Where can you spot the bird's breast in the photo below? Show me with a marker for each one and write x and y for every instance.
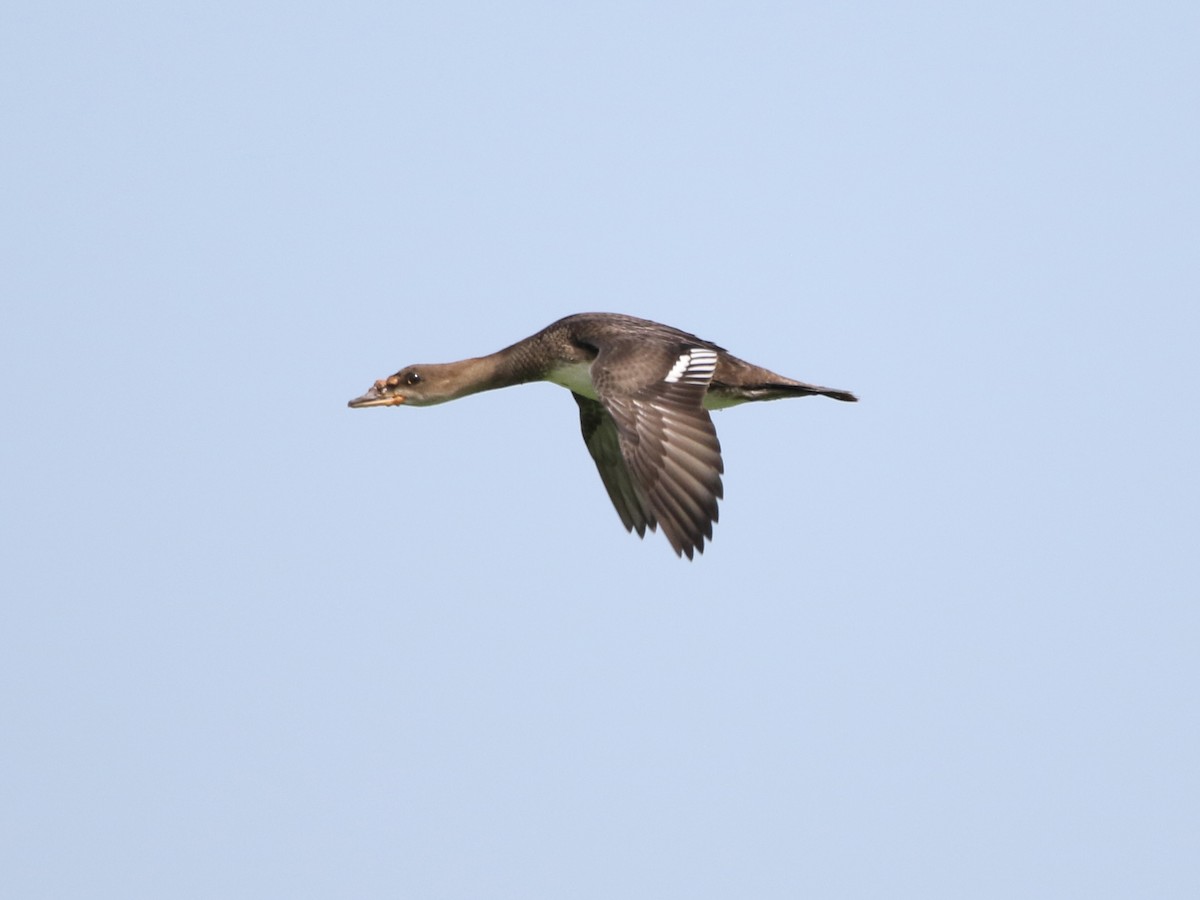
(575, 376)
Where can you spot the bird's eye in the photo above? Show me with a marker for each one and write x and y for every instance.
(412, 378)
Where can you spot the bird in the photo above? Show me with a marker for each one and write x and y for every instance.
(644, 392)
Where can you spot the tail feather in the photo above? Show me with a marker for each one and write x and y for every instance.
(844, 396)
(800, 389)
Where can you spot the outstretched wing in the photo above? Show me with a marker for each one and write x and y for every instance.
(665, 468)
(603, 442)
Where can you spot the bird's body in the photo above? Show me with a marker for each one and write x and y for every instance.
(643, 390)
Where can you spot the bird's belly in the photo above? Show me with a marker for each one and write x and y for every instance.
(716, 398)
(575, 377)
(721, 401)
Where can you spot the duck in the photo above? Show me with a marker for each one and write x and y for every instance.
(644, 392)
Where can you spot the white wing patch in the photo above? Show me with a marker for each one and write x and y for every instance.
(695, 366)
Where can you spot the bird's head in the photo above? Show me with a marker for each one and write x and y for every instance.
(422, 385)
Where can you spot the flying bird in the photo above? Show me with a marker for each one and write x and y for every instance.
(644, 391)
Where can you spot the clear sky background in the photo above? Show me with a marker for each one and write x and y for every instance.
(255, 644)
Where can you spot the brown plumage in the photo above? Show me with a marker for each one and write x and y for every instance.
(644, 391)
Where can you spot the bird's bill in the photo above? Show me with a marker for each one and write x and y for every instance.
(375, 397)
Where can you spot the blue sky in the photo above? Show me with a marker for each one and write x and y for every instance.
(255, 644)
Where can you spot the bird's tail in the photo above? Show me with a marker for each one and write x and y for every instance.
(800, 389)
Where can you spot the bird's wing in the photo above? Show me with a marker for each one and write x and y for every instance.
(603, 442)
(667, 468)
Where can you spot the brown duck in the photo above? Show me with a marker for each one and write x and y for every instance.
(643, 390)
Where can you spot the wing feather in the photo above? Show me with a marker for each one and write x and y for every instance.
(655, 444)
